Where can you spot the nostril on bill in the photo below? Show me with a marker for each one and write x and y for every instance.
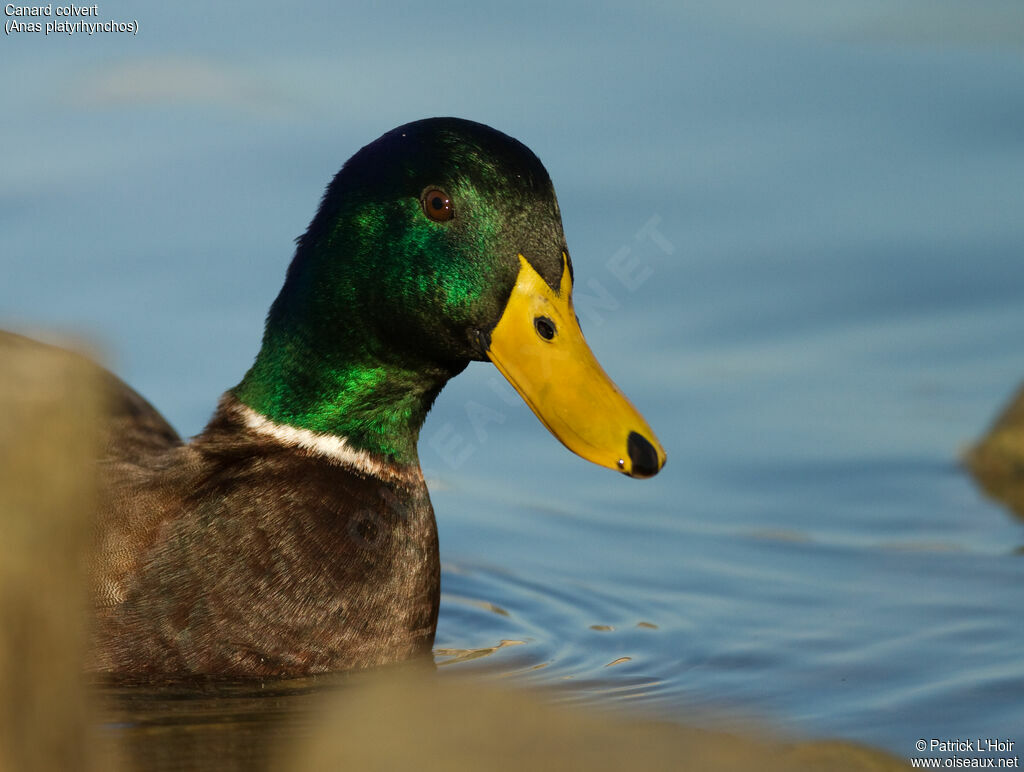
(643, 455)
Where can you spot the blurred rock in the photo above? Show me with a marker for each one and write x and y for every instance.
(997, 460)
(48, 441)
(414, 721)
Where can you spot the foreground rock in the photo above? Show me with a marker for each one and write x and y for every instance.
(49, 407)
(997, 460)
(405, 721)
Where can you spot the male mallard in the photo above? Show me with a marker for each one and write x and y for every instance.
(294, 534)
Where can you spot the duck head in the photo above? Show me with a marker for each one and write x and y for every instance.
(437, 244)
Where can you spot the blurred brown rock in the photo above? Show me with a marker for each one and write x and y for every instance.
(427, 723)
(48, 441)
(997, 460)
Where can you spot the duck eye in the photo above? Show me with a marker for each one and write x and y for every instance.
(545, 327)
(436, 204)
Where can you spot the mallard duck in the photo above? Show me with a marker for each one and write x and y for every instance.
(294, 534)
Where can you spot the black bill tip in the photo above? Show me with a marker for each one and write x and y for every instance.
(643, 455)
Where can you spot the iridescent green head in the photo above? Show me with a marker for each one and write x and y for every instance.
(400, 280)
(379, 259)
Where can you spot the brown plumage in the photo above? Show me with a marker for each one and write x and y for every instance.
(237, 554)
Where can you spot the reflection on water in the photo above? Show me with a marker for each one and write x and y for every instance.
(202, 724)
(452, 656)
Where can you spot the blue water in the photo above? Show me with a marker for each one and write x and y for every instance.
(798, 241)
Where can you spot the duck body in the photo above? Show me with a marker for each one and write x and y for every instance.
(242, 554)
(295, 534)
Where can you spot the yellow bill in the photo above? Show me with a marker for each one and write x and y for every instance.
(539, 347)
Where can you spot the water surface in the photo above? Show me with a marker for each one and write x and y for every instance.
(824, 209)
